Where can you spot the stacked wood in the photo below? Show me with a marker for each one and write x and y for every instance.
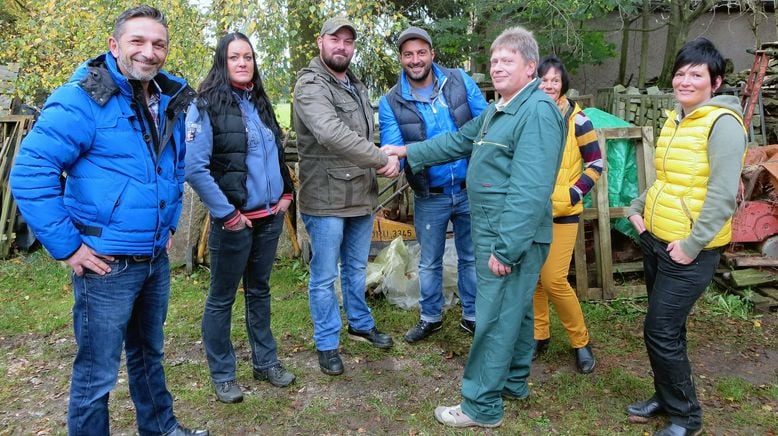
(640, 107)
(751, 276)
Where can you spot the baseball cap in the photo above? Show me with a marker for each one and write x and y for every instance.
(413, 32)
(335, 23)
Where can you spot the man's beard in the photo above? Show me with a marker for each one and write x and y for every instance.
(421, 76)
(134, 74)
(337, 66)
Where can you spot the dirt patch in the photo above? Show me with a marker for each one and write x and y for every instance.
(395, 392)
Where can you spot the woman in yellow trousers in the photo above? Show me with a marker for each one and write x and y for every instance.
(580, 168)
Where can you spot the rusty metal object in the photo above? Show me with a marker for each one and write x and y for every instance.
(754, 221)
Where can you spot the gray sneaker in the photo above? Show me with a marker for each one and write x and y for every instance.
(277, 375)
(228, 392)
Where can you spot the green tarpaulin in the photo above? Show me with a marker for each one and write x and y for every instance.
(622, 168)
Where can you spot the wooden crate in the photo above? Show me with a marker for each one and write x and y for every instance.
(602, 213)
(12, 130)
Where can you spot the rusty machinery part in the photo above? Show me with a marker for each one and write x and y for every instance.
(754, 221)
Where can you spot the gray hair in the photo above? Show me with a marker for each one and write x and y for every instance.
(518, 40)
(142, 11)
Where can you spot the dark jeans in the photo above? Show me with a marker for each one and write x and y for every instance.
(126, 306)
(248, 254)
(672, 291)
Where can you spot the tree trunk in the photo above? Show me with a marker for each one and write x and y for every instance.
(624, 52)
(644, 43)
(302, 43)
(682, 15)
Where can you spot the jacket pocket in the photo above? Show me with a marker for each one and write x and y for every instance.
(110, 202)
(347, 186)
(346, 106)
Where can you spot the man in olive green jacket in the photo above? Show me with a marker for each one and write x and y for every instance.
(338, 190)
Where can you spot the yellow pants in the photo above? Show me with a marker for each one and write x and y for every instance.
(553, 285)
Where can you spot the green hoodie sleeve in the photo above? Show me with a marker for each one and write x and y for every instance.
(726, 145)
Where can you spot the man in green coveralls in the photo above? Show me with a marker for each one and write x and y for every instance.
(514, 148)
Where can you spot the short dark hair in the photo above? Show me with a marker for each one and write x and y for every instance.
(701, 52)
(554, 62)
(142, 11)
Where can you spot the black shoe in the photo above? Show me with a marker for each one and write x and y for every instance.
(646, 409)
(329, 362)
(541, 345)
(677, 430)
(277, 376)
(467, 325)
(584, 359)
(372, 336)
(228, 392)
(183, 431)
(422, 330)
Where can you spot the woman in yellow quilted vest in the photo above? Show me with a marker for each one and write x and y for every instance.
(684, 220)
(580, 168)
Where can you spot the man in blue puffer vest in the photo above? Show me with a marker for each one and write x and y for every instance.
(427, 101)
(116, 129)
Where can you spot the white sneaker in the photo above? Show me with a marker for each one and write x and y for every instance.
(454, 417)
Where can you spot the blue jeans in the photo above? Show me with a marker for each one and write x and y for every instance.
(431, 216)
(347, 239)
(126, 306)
(247, 254)
(672, 291)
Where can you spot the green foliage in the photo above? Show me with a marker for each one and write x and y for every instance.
(729, 305)
(51, 38)
(50, 44)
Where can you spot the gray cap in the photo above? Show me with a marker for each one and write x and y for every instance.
(334, 24)
(413, 32)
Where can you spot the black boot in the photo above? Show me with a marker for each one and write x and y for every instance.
(646, 409)
(541, 345)
(584, 359)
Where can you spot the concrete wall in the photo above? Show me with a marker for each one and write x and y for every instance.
(730, 32)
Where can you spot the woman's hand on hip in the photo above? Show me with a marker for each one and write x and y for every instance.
(678, 256)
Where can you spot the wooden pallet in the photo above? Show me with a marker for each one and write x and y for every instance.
(602, 213)
(12, 130)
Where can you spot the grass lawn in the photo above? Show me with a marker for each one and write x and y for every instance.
(381, 392)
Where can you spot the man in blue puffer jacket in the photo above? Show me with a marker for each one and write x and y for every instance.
(116, 129)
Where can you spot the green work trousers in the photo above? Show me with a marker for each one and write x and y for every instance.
(501, 354)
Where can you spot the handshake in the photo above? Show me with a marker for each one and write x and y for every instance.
(392, 167)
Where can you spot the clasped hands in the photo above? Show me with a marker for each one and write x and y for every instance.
(392, 167)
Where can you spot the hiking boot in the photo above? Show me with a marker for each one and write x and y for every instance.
(422, 330)
(541, 345)
(372, 336)
(228, 392)
(277, 375)
(584, 359)
(467, 325)
(329, 362)
(454, 417)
